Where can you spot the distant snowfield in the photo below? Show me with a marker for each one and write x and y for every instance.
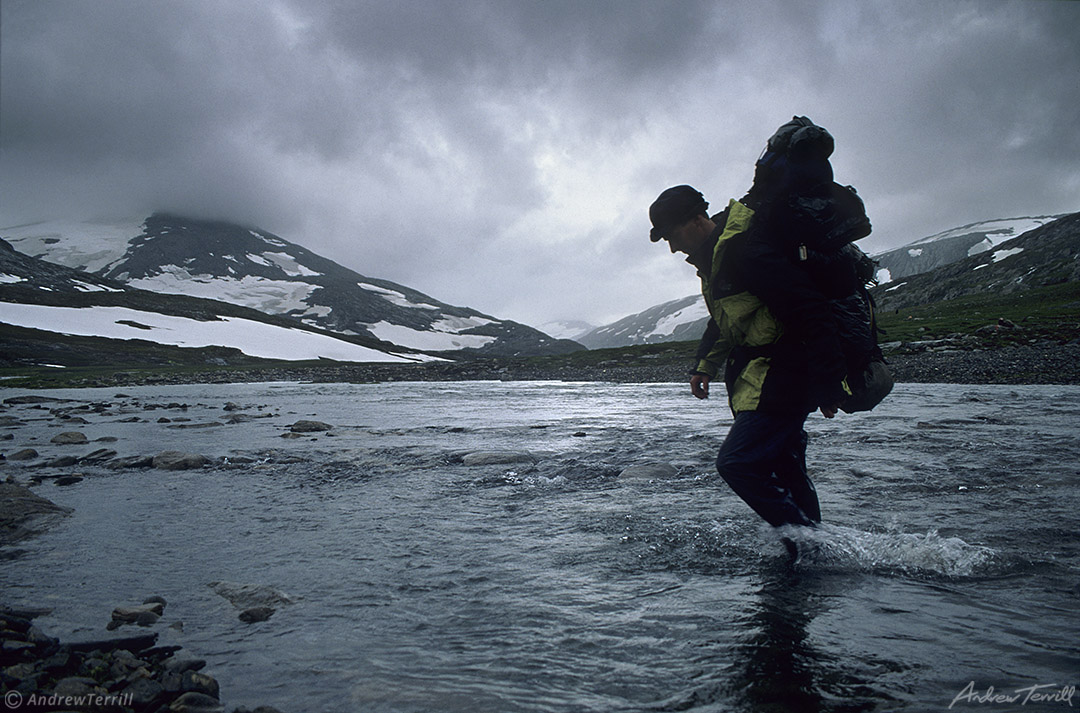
(666, 326)
(87, 245)
(435, 341)
(255, 339)
(998, 231)
(272, 296)
(394, 297)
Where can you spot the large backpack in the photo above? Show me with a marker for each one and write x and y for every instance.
(798, 200)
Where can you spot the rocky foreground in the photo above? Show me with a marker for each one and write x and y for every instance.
(128, 674)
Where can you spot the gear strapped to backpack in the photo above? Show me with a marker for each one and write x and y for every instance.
(796, 199)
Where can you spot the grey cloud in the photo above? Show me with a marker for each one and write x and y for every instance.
(417, 141)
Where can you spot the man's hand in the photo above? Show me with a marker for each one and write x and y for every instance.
(829, 411)
(699, 385)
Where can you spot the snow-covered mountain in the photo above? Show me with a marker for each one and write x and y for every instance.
(1046, 256)
(674, 321)
(46, 308)
(951, 245)
(245, 266)
(566, 328)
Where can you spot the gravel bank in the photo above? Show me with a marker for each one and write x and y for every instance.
(928, 362)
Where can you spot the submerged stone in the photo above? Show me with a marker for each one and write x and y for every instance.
(497, 458)
(649, 471)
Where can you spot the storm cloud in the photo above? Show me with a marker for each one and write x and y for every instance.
(502, 155)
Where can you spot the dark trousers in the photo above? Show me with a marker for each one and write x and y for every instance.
(763, 459)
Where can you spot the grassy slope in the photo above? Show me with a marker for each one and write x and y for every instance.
(1043, 313)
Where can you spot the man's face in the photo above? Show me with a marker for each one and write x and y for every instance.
(686, 238)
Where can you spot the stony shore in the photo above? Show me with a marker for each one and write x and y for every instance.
(939, 361)
(128, 674)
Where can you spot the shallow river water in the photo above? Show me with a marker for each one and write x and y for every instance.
(949, 562)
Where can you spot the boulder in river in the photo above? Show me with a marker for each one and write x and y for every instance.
(303, 426)
(70, 438)
(23, 512)
(178, 460)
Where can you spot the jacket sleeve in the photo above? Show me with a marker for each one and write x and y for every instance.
(712, 351)
(788, 291)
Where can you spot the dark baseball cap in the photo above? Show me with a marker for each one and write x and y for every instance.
(674, 207)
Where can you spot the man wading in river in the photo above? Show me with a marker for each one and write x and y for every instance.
(772, 329)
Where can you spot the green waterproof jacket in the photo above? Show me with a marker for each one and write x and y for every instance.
(772, 332)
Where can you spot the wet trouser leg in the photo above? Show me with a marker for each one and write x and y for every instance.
(763, 459)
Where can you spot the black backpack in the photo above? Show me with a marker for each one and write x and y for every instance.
(797, 199)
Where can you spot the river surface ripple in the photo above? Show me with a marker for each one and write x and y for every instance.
(949, 562)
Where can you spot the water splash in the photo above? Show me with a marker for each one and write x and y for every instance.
(836, 547)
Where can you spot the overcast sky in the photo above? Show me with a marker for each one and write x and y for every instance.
(502, 154)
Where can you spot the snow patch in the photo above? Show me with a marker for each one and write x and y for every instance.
(270, 241)
(883, 276)
(256, 339)
(996, 231)
(82, 245)
(460, 324)
(980, 247)
(427, 340)
(915, 252)
(666, 325)
(896, 287)
(87, 287)
(1000, 255)
(284, 262)
(273, 296)
(394, 297)
(6, 279)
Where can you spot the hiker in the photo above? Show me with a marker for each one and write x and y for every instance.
(772, 331)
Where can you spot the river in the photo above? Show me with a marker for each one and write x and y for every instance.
(947, 571)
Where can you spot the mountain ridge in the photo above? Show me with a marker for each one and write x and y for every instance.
(245, 265)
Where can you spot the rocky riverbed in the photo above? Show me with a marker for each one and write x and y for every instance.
(43, 440)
